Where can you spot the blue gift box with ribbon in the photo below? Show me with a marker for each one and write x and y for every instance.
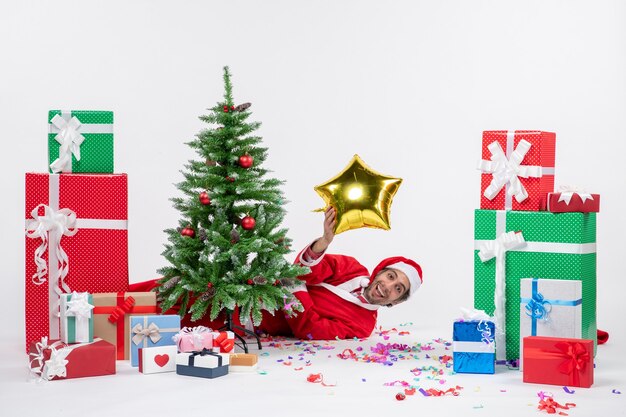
(203, 364)
(150, 331)
(473, 346)
(550, 307)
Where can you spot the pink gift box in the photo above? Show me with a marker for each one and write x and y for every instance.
(191, 339)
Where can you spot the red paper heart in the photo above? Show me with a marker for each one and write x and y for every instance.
(162, 360)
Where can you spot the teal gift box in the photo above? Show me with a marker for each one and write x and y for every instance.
(551, 245)
(150, 331)
(80, 141)
(76, 317)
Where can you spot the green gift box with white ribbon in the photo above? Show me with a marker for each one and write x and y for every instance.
(80, 141)
(512, 245)
(77, 317)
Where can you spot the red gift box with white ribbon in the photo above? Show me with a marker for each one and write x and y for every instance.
(76, 240)
(558, 361)
(517, 169)
(571, 199)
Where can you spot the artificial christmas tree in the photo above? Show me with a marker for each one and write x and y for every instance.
(235, 257)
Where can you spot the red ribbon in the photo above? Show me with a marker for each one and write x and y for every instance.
(550, 406)
(121, 310)
(575, 358)
(225, 344)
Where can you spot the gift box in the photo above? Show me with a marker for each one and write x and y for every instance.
(558, 361)
(191, 339)
(76, 240)
(159, 359)
(573, 201)
(473, 347)
(223, 342)
(112, 313)
(80, 141)
(512, 245)
(76, 317)
(242, 362)
(151, 331)
(203, 364)
(518, 169)
(53, 360)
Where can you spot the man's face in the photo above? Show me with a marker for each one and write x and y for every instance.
(387, 288)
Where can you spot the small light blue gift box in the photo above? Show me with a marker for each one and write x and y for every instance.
(473, 347)
(150, 331)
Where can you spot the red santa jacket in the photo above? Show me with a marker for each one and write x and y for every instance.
(330, 310)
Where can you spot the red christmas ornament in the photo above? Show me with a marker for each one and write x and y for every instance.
(245, 161)
(225, 109)
(276, 283)
(231, 179)
(188, 231)
(204, 198)
(209, 285)
(248, 223)
(400, 396)
(250, 282)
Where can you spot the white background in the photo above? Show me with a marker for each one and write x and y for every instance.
(407, 85)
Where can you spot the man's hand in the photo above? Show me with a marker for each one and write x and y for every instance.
(322, 243)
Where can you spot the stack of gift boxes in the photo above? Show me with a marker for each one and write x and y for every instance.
(534, 261)
(80, 318)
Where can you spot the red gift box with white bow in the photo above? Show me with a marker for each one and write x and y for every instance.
(558, 361)
(570, 199)
(76, 240)
(517, 169)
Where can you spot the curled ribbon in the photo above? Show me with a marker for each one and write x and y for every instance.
(485, 332)
(536, 307)
(140, 333)
(56, 365)
(567, 192)
(497, 249)
(120, 311)
(70, 140)
(38, 359)
(50, 228)
(508, 170)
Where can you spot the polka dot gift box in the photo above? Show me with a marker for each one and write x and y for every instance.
(80, 141)
(512, 245)
(76, 240)
(517, 169)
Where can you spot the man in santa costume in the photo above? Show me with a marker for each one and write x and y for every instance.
(340, 297)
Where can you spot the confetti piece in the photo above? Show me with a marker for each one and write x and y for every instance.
(287, 363)
(502, 390)
(424, 393)
(262, 372)
(363, 380)
(298, 369)
(409, 391)
(477, 389)
(478, 406)
(400, 396)
(265, 354)
(569, 391)
(410, 323)
(318, 378)
(310, 336)
(616, 391)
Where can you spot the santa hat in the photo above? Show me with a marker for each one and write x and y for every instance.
(410, 268)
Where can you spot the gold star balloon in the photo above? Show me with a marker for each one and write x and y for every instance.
(361, 196)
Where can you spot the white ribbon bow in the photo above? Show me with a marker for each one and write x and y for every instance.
(56, 365)
(508, 170)
(567, 192)
(38, 356)
(52, 226)
(152, 332)
(497, 249)
(70, 139)
(79, 306)
(470, 314)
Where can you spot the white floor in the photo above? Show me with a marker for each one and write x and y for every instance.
(280, 386)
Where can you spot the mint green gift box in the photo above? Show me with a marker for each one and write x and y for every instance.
(80, 141)
(557, 246)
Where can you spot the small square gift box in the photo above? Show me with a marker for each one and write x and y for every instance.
(80, 141)
(53, 359)
(203, 364)
(571, 199)
(159, 359)
(473, 346)
(243, 362)
(191, 339)
(517, 169)
(77, 317)
(150, 331)
(224, 342)
(558, 361)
